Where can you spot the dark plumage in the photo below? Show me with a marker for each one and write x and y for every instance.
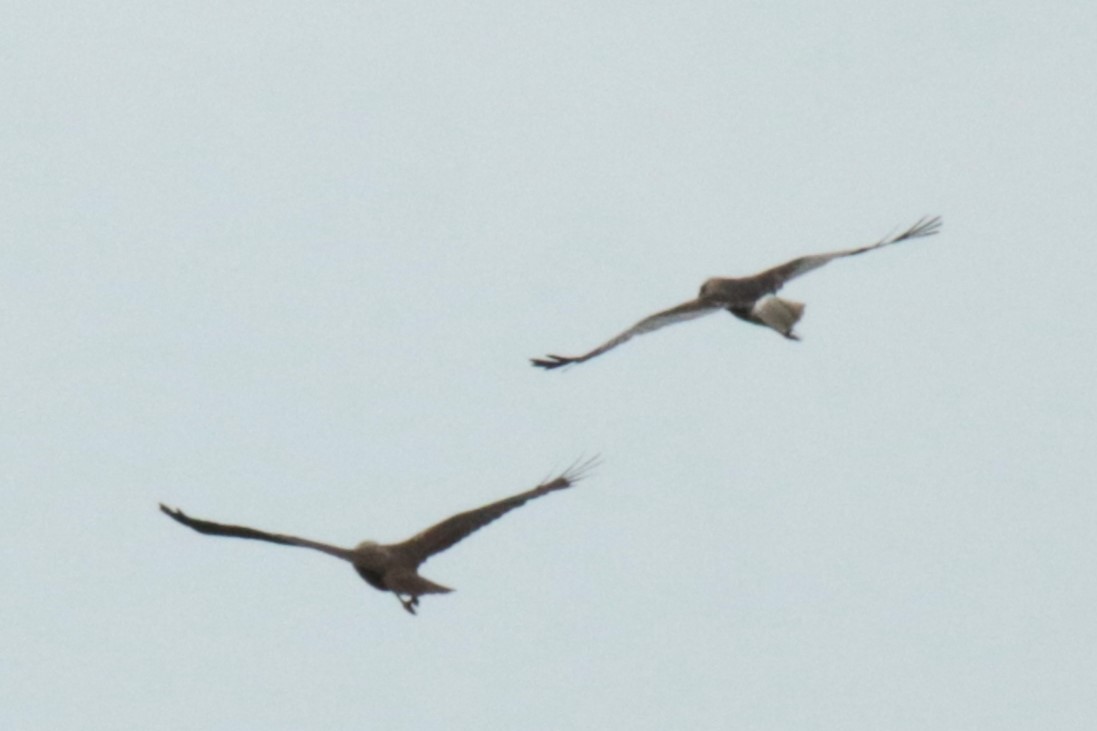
(751, 299)
(394, 567)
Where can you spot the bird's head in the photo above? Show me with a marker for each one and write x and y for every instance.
(710, 289)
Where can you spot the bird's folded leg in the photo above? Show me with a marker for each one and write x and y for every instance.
(409, 604)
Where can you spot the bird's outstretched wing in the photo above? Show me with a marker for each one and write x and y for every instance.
(439, 537)
(771, 280)
(685, 311)
(210, 528)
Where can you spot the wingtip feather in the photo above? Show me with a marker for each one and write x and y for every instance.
(550, 362)
(580, 469)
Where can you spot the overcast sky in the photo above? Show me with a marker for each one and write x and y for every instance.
(283, 264)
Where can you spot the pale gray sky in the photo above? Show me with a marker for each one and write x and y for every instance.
(283, 264)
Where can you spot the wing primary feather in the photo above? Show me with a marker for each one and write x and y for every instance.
(452, 530)
(771, 280)
(740, 292)
(925, 226)
(210, 528)
(679, 313)
(580, 469)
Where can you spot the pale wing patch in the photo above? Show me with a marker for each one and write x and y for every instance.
(806, 264)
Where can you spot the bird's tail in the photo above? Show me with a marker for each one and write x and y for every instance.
(412, 584)
(778, 314)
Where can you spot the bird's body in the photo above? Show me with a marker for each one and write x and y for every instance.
(394, 567)
(752, 299)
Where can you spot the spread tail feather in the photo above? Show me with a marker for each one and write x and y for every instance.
(778, 314)
(412, 584)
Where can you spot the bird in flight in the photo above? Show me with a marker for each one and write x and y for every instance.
(752, 299)
(394, 567)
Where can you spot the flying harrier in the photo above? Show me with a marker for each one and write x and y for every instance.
(749, 298)
(394, 567)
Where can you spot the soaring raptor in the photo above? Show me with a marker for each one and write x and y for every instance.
(394, 567)
(752, 298)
